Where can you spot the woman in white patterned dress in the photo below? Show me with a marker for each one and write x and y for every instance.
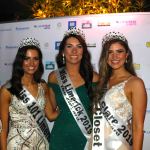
(122, 98)
(23, 114)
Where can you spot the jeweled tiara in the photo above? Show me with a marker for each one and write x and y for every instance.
(75, 31)
(112, 36)
(29, 42)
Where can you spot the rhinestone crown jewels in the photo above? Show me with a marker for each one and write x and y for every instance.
(75, 31)
(112, 36)
(29, 41)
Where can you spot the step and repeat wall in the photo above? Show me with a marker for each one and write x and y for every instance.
(135, 26)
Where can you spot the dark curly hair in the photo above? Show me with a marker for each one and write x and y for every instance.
(86, 68)
(18, 72)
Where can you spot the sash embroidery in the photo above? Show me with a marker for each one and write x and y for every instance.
(74, 103)
(120, 130)
(29, 101)
(98, 130)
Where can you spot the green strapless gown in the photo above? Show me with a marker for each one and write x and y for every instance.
(66, 135)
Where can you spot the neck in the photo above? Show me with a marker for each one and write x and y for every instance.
(120, 73)
(27, 80)
(73, 69)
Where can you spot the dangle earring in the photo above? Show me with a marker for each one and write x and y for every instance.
(63, 58)
(126, 61)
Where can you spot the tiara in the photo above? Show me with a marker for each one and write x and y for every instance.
(113, 36)
(28, 42)
(74, 31)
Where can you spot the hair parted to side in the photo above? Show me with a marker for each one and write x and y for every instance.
(105, 71)
(86, 68)
(18, 72)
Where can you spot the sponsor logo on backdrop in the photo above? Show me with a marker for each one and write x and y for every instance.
(103, 24)
(11, 47)
(146, 132)
(46, 45)
(91, 44)
(137, 66)
(43, 26)
(8, 64)
(86, 25)
(22, 28)
(7, 29)
(127, 22)
(148, 44)
(59, 24)
(57, 44)
(49, 65)
(71, 24)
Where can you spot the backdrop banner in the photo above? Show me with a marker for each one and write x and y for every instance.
(50, 31)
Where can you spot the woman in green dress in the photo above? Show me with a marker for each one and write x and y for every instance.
(71, 89)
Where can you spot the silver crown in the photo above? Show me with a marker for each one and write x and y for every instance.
(113, 36)
(75, 31)
(29, 42)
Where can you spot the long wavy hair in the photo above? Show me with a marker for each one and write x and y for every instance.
(86, 68)
(18, 72)
(105, 71)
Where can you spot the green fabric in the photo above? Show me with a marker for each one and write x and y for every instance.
(66, 135)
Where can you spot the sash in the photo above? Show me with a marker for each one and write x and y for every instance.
(73, 102)
(120, 129)
(29, 101)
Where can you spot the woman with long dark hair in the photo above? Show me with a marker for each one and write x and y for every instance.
(71, 90)
(24, 102)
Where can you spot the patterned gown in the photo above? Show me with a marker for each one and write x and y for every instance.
(66, 135)
(24, 133)
(116, 98)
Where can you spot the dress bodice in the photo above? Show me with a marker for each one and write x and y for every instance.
(18, 112)
(115, 97)
(24, 132)
(65, 127)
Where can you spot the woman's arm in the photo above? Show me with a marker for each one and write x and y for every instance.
(51, 109)
(139, 103)
(5, 98)
(52, 79)
(50, 112)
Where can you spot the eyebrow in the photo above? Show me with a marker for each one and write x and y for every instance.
(117, 49)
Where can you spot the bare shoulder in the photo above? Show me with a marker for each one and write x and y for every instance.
(95, 77)
(52, 77)
(136, 82)
(4, 94)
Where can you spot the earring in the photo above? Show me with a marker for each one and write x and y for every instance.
(63, 58)
(126, 61)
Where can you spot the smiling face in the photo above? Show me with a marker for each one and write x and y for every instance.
(31, 62)
(73, 51)
(117, 56)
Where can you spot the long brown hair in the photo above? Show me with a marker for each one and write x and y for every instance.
(105, 71)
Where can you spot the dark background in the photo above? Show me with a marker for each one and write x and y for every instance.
(11, 10)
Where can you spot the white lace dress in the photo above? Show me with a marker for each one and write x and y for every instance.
(116, 98)
(24, 133)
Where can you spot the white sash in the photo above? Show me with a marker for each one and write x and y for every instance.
(73, 101)
(29, 101)
(119, 128)
(98, 130)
